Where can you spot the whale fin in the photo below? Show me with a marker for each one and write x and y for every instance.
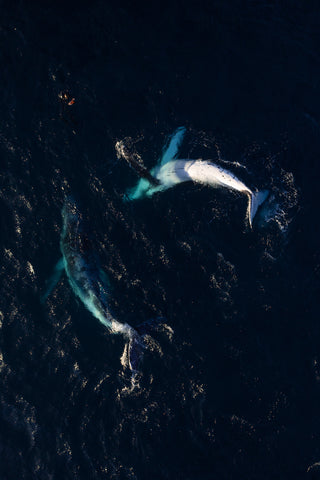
(132, 356)
(139, 191)
(255, 200)
(149, 183)
(134, 348)
(53, 280)
(170, 150)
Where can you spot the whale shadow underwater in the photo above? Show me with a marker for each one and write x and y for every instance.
(171, 171)
(91, 285)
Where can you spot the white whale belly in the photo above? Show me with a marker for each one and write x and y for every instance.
(199, 171)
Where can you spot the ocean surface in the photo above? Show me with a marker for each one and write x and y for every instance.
(230, 385)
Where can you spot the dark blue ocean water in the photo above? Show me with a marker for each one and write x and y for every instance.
(234, 391)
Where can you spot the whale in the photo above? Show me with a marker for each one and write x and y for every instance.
(171, 171)
(90, 283)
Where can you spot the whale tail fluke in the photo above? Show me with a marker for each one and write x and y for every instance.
(134, 349)
(255, 200)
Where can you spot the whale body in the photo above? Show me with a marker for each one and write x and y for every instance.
(89, 282)
(172, 172)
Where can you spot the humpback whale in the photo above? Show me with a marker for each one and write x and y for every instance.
(171, 172)
(90, 283)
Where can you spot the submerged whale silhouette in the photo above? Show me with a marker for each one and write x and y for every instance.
(89, 282)
(171, 172)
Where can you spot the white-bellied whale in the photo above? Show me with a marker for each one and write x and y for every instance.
(171, 172)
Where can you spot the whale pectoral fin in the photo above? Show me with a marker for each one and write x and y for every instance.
(149, 183)
(139, 191)
(53, 280)
(171, 151)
